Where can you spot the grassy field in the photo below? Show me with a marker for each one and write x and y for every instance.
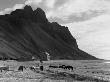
(84, 71)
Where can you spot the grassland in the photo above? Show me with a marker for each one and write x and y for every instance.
(84, 71)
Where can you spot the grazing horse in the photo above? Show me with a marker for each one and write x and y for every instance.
(66, 67)
(53, 66)
(41, 68)
(34, 68)
(4, 68)
(69, 67)
(62, 66)
(21, 68)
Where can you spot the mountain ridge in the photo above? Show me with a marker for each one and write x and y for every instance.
(25, 33)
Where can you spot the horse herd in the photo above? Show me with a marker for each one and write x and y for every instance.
(62, 66)
(20, 68)
(41, 68)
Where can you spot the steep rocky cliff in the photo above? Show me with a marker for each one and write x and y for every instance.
(25, 33)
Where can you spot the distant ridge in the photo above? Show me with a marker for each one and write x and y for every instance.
(25, 33)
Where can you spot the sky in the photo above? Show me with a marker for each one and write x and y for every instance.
(88, 20)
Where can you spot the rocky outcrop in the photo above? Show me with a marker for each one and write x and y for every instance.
(26, 33)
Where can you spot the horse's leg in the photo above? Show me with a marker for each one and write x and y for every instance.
(22, 69)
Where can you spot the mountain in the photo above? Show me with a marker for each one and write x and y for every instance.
(27, 33)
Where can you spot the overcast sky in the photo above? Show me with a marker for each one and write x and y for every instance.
(88, 20)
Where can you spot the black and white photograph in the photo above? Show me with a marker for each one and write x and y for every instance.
(54, 40)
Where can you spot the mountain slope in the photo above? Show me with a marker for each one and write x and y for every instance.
(26, 33)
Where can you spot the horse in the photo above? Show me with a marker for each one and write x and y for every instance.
(66, 67)
(21, 68)
(69, 67)
(4, 68)
(53, 66)
(41, 68)
(62, 66)
(34, 68)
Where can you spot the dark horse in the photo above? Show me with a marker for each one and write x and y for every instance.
(51, 66)
(66, 67)
(69, 67)
(62, 66)
(41, 68)
(21, 68)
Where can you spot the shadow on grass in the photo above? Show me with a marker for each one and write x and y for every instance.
(64, 75)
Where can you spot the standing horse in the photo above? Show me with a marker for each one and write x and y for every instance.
(4, 68)
(21, 68)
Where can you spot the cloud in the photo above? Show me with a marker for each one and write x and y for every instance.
(33, 2)
(18, 6)
(78, 7)
(71, 10)
(5, 11)
(93, 36)
(8, 10)
(50, 3)
(65, 9)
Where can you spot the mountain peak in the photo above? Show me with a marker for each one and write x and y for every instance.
(26, 33)
(40, 14)
(28, 7)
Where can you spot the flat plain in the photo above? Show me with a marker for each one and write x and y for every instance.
(83, 71)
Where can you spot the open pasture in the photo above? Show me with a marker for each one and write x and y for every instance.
(83, 71)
